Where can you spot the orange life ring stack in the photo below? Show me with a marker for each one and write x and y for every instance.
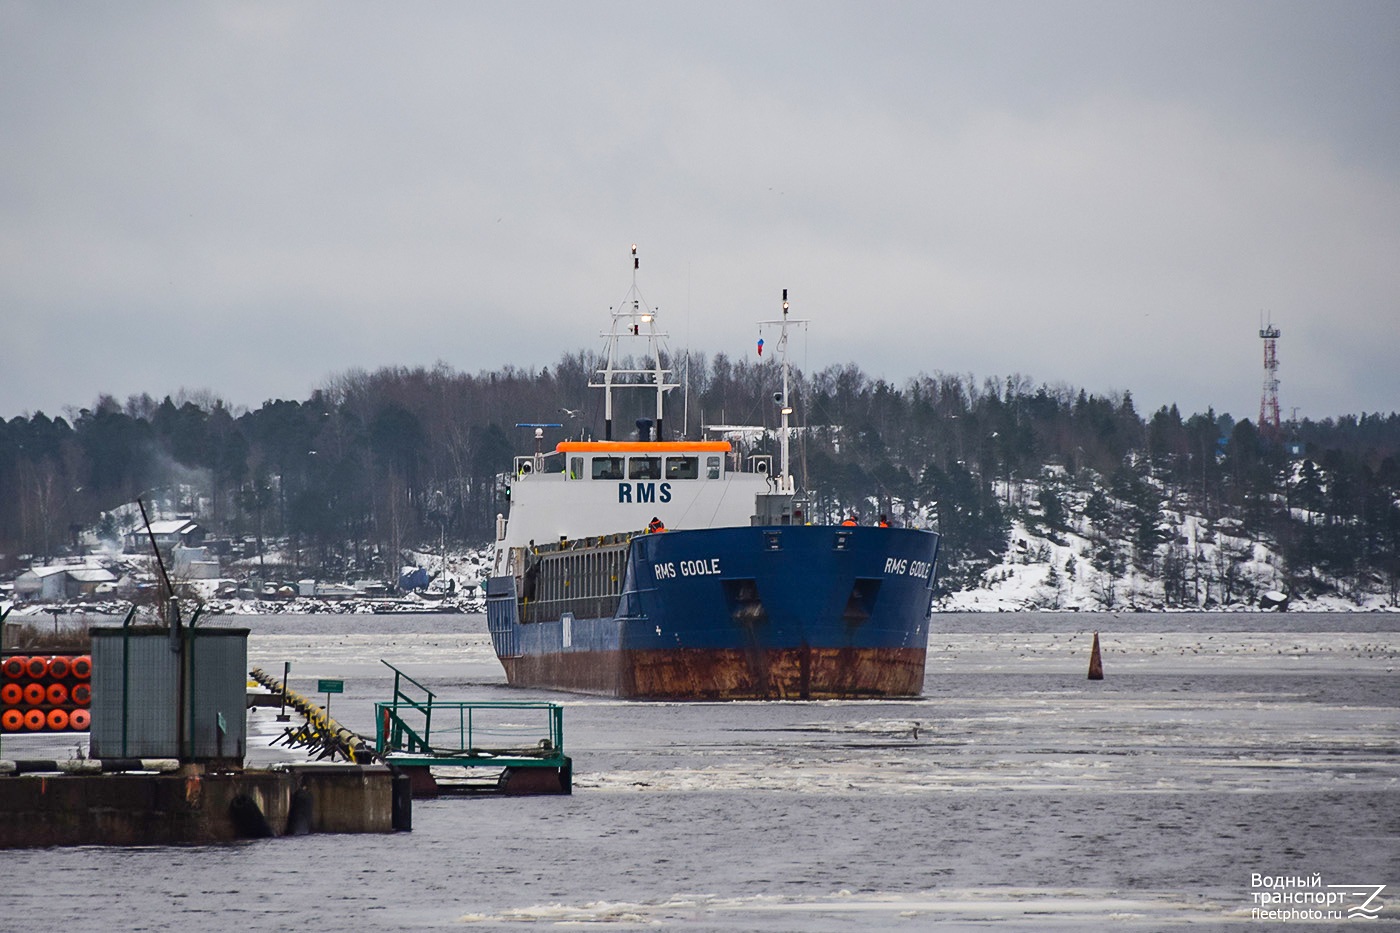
(43, 693)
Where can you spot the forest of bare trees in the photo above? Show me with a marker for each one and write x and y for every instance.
(374, 462)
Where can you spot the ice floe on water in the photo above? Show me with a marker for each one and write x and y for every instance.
(1000, 907)
(1012, 795)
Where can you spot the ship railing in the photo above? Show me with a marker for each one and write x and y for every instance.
(583, 577)
(596, 541)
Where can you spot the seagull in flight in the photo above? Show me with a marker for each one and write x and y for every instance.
(571, 412)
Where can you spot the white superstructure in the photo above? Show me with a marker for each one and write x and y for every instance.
(590, 489)
(607, 487)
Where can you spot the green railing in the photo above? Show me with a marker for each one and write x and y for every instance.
(418, 728)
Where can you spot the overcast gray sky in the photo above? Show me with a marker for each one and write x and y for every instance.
(249, 198)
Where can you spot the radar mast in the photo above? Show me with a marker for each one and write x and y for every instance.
(784, 478)
(634, 318)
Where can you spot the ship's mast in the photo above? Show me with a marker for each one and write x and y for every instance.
(785, 481)
(628, 320)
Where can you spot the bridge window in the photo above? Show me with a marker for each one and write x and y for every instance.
(712, 467)
(682, 467)
(575, 468)
(607, 468)
(643, 467)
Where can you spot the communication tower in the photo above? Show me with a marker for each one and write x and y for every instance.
(1268, 401)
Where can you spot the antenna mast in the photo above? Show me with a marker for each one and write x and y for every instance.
(1268, 401)
(628, 320)
(785, 482)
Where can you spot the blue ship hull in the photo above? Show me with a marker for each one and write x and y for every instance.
(801, 611)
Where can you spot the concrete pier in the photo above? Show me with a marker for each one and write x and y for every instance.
(194, 806)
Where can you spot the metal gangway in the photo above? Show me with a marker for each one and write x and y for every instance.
(522, 738)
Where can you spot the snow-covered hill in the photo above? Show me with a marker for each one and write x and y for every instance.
(1216, 569)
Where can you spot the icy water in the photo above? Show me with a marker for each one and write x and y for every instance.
(1015, 795)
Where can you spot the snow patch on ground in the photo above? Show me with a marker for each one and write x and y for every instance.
(1057, 572)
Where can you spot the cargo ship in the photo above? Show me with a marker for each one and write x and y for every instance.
(656, 568)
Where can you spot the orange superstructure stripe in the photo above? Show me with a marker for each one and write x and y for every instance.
(642, 447)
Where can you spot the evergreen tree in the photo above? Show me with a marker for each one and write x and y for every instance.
(375, 458)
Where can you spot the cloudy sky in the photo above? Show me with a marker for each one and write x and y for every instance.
(249, 198)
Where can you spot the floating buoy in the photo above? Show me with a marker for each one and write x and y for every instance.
(82, 667)
(56, 694)
(82, 694)
(59, 667)
(34, 694)
(12, 720)
(57, 720)
(35, 719)
(11, 694)
(14, 666)
(80, 719)
(1095, 661)
(36, 667)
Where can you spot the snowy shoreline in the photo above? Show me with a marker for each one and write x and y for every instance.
(972, 602)
(981, 601)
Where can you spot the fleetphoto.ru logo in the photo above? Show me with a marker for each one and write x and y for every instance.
(1306, 897)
